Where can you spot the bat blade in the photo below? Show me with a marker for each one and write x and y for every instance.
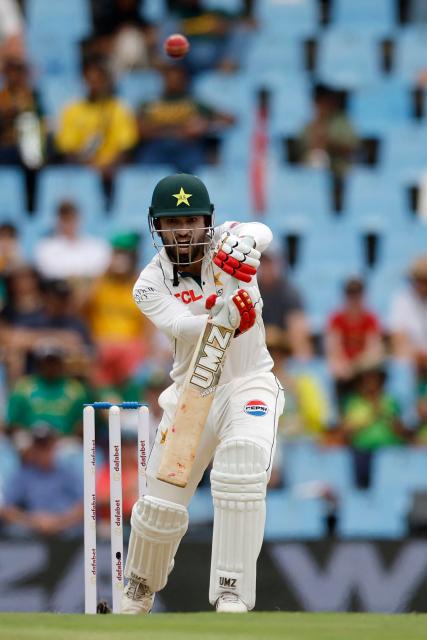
(194, 404)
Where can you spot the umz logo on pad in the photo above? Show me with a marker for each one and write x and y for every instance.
(227, 582)
(256, 408)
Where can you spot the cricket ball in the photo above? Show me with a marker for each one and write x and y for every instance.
(176, 45)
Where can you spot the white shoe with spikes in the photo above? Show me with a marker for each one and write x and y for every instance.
(230, 603)
(137, 598)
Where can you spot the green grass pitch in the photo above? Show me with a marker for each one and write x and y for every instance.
(211, 626)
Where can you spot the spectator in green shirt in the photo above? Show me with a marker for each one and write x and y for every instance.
(329, 139)
(371, 420)
(47, 396)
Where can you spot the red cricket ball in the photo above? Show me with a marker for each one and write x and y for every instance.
(176, 45)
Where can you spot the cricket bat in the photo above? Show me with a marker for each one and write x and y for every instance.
(202, 378)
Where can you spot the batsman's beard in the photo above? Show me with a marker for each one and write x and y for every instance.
(185, 253)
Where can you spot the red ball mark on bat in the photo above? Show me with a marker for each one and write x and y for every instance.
(173, 429)
(184, 407)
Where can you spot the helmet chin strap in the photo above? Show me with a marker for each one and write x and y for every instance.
(175, 282)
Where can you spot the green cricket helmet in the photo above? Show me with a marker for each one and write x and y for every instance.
(180, 194)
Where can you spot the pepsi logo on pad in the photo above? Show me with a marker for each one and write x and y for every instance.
(256, 408)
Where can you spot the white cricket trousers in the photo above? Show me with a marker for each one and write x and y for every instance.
(248, 407)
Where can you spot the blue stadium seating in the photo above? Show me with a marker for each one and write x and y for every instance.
(364, 514)
(404, 149)
(56, 94)
(298, 191)
(402, 384)
(344, 251)
(348, 58)
(229, 191)
(133, 190)
(201, 508)
(320, 287)
(410, 53)
(9, 463)
(268, 53)
(288, 18)
(154, 11)
(232, 94)
(382, 284)
(70, 20)
(399, 470)
(309, 463)
(395, 251)
(231, 6)
(12, 195)
(376, 109)
(289, 516)
(52, 55)
(374, 200)
(137, 87)
(291, 103)
(376, 17)
(79, 184)
(235, 146)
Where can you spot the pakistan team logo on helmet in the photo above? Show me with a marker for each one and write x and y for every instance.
(181, 194)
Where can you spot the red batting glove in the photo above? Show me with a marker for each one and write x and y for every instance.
(246, 309)
(236, 256)
(232, 266)
(210, 301)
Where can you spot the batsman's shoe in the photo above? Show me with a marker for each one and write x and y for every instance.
(230, 603)
(137, 598)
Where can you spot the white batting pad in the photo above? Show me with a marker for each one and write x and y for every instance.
(157, 528)
(238, 481)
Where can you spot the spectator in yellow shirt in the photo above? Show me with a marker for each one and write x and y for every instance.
(100, 129)
(121, 333)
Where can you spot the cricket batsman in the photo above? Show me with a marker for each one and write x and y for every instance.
(177, 291)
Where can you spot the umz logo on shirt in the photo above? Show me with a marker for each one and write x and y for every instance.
(211, 356)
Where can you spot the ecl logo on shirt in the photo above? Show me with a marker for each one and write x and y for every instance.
(256, 408)
(188, 296)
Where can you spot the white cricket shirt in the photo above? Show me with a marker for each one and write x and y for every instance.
(180, 311)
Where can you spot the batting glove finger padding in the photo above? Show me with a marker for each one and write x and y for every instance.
(241, 312)
(246, 310)
(234, 256)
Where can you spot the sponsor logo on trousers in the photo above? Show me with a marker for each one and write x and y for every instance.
(230, 583)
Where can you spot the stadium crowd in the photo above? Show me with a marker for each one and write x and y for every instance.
(354, 370)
